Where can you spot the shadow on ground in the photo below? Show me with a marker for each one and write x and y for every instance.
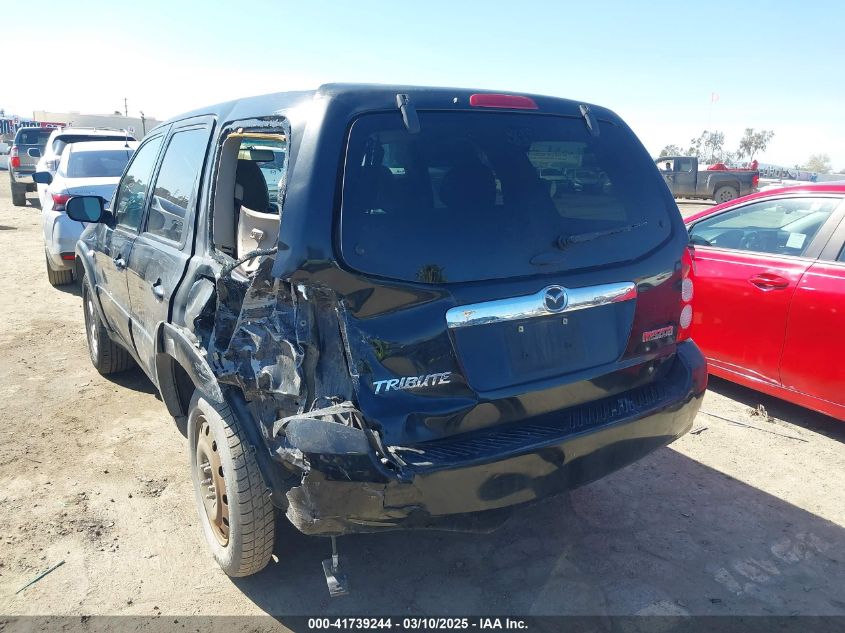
(73, 288)
(781, 409)
(666, 535)
(135, 379)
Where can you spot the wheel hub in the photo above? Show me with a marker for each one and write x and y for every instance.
(209, 472)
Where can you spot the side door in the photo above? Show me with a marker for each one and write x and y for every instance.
(749, 260)
(164, 246)
(813, 350)
(685, 177)
(115, 244)
(666, 166)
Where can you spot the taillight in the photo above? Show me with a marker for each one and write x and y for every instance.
(687, 293)
(14, 159)
(755, 180)
(59, 200)
(512, 102)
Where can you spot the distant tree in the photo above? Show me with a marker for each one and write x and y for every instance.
(709, 147)
(118, 113)
(671, 150)
(731, 158)
(753, 142)
(819, 163)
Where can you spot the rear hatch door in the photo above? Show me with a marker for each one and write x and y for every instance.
(505, 249)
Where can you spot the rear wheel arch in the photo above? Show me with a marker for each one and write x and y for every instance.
(182, 372)
(181, 368)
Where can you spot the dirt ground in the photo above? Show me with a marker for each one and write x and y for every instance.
(93, 472)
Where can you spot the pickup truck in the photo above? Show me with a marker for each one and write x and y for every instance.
(684, 179)
(394, 342)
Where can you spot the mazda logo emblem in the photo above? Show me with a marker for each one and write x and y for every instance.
(555, 299)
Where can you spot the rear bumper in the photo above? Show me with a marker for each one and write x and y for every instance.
(60, 236)
(22, 177)
(463, 483)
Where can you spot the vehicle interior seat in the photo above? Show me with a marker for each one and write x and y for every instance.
(258, 221)
(379, 194)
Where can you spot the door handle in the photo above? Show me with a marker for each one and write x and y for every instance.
(158, 290)
(769, 281)
(119, 262)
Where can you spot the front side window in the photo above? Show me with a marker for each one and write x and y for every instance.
(480, 195)
(777, 227)
(132, 190)
(174, 185)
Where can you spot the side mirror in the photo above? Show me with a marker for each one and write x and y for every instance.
(42, 177)
(85, 208)
(33, 152)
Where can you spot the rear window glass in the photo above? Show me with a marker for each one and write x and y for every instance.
(33, 137)
(60, 142)
(476, 196)
(98, 164)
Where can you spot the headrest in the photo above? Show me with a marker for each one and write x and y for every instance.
(468, 186)
(250, 186)
(376, 186)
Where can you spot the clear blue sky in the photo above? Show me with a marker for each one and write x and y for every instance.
(774, 65)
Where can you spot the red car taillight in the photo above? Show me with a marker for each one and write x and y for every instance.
(755, 180)
(59, 200)
(14, 159)
(687, 292)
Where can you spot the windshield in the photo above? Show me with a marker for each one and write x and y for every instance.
(98, 164)
(476, 196)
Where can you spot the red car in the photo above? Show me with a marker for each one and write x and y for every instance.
(770, 293)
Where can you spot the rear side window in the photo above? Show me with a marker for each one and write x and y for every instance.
(98, 164)
(777, 227)
(174, 185)
(477, 196)
(36, 137)
(684, 164)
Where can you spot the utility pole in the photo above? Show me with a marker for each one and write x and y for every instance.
(143, 124)
(125, 107)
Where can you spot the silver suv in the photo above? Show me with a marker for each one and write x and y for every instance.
(27, 148)
(59, 139)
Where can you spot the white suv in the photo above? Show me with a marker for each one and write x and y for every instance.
(60, 138)
(92, 168)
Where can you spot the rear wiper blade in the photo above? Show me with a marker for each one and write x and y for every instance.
(565, 241)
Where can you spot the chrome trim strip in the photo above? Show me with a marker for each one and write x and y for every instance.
(529, 306)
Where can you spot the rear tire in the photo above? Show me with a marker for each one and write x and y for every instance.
(107, 356)
(725, 193)
(18, 195)
(58, 277)
(237, 517)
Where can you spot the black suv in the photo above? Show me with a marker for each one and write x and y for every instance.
(435, 322)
